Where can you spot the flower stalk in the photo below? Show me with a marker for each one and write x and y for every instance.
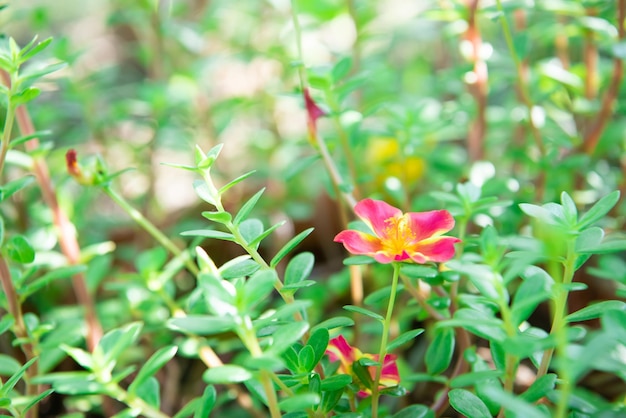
(384, 338)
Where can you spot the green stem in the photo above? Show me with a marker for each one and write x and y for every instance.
(511, 362)
(6, 134)
(20, 331)
(523, 86)
(151, 229)
(383, 341)
(559, 328)
(560, 305)
(147, 410)
(248, 337)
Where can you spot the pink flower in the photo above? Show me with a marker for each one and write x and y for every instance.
(313, 113)
(397, 236)
(339, 349)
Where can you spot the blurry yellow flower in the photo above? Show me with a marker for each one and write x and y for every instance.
(383, 153)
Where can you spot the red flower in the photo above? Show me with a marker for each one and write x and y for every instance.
(72, 164)
(397, 236)
(339, 349)
(314, 112)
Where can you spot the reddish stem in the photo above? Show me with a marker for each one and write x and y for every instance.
(67, 237)
(477, 87)
(592, 136)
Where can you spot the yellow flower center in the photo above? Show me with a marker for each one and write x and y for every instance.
(398, 235)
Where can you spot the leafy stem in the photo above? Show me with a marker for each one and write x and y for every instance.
(384, 338)
(6, 133)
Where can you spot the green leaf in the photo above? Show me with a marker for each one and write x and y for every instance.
(30, 51)
(255, 242)
(206, 192)
(318, 341)
(596, 310)
(482, 276)
(306, 358)
(341, 68)
(222, 217)
(330, 399)
(247, 207)
(513, 404)
(416, 271)
(209, 233)
(569, 209)
(404, 338)
(299, 268)
(380, 295)
(597, 211)
(202, 324)
(290, 357)
(468, 404)
(472, 378)
(250, 229)
(8, 386)
(80, 356)
(287, 310)
(540, 388)
(540, 213)
(226, 374)
(207, 402)
(415, 411)
(363, 311)
(535, 288)
(361, 369)
(35, 400)
(358, 260)
(610, 245)
(243, 268)
(72, 383)
(20, 250)
(149, 391)
(8, 365)
(299, 402)
(25, 96)
(258, 288)
(116, 341)
(293, 243)
(6, 323)
(60, 273)
(589, 240)
(153, 365)
(477, 322)
(12, 187)
(286, 335)
(440, 350)
(239, 179)
(336, 382)
(336, 322)
(25, 138)
(209, 159)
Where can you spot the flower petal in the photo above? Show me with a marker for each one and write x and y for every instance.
(358, 242)
(389, 375)
(439, 250)
(339, 349)
(427, 224)
(375, 214)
